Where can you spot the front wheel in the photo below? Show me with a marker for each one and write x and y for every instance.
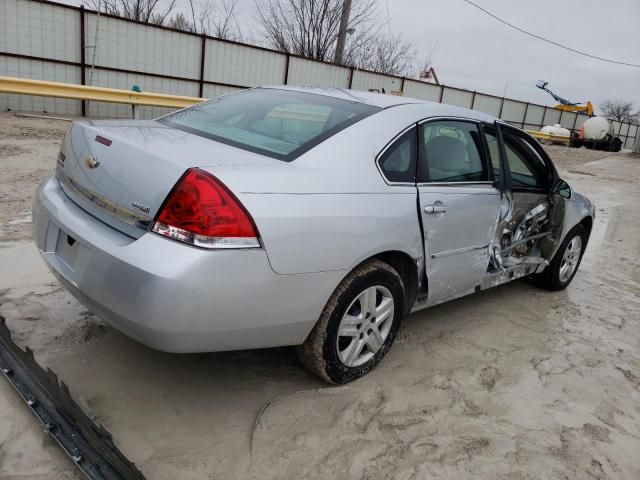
(565, 263)
(357, 326)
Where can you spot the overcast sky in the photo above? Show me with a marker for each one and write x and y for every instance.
(477, 52)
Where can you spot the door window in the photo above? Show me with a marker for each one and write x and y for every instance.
(527, 168)
(494, 152)
(450, 152)
(398, 161)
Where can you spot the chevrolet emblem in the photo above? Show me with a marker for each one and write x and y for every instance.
(91, 162)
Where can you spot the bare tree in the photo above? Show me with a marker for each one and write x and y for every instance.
(382, 54)
(225, 23)
(181, 22)
(310, 27)
(425, 62)
(619, 110)
(147, 11)
(217, 18)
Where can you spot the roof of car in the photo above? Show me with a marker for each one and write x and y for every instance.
(382, 100)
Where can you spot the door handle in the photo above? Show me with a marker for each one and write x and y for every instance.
(437, 207)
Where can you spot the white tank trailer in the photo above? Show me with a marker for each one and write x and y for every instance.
(597, 134)
(557, 130)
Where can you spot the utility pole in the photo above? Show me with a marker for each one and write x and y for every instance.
(342, 32)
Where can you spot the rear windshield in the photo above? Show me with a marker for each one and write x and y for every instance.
(278, 123)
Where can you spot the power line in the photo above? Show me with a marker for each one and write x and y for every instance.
(547, 40)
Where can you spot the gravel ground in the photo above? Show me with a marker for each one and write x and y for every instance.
(512, 383)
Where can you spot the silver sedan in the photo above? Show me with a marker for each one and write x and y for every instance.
(298, 216)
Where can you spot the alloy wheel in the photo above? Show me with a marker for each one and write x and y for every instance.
(570, 259)
(365, 326)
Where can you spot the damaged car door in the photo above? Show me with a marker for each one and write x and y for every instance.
(459, 203)
(526, 236)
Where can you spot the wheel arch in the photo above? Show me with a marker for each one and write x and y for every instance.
(407, 267)
(587, 223)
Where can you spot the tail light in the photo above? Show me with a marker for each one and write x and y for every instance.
(201, 211)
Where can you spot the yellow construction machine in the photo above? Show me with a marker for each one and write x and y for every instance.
(583, 108)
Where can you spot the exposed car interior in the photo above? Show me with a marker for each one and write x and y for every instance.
(452, 151)
(522, 232)
(268, 122)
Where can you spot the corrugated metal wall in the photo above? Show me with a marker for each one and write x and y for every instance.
(375, 81)
(40, 30)
(233, 64)
(141, 48)
(424, 91)
(43, 41)
(317, 74)
(513, 112)
(37, 70)
(104, 78)
(459, 98)
(488, 104)
(534, 117)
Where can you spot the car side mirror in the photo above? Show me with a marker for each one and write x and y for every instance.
(563, 189)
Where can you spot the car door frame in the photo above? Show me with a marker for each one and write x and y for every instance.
(552, 173)
(436, 296)
(558, 205)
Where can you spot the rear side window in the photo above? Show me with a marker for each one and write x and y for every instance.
(398, 162)
(278, 123)
(450, 152)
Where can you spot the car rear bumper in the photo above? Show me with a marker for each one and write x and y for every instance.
(170, 296)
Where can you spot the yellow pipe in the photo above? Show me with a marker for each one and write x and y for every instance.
(549, 137)
(26, 86)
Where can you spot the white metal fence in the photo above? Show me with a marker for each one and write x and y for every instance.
(48, 41)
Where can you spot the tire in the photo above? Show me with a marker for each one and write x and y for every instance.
(347, 324)
(556, 276)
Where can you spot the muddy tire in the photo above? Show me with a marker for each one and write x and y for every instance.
(566, 261)
(357, 326)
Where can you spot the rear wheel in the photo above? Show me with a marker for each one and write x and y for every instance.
(565, 263)
(357, 326)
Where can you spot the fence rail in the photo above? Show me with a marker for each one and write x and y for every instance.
(54, 42)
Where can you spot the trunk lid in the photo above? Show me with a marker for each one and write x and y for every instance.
(122, 171)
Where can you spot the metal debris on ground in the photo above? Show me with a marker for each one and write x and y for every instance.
(90, 447)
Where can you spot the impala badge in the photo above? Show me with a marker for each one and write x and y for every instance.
(141, 207)
(91, 162)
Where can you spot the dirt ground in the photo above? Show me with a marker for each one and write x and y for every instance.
(512, 383)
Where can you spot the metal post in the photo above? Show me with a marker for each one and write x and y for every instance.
(203, 48)
(473, 100)
(83, 103)
(402, 85)
(342, 31)
(544, 114)
(351, 72)
(441, 94)
(286, 69)
(501, 108)
(524, 116)
(636, 146)
(575, 122)
(626, 135)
